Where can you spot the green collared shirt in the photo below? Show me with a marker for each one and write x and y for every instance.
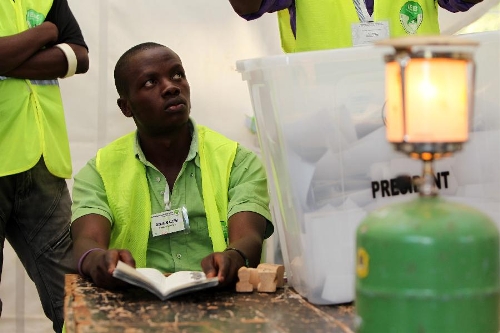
(181, 251)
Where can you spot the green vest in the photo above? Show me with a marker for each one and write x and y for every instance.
(326, 24)
(124, 178)
(32, 120)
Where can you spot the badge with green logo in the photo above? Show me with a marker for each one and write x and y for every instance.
(411, 16)
(33, 18)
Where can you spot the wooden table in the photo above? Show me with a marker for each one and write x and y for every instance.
(92, 309)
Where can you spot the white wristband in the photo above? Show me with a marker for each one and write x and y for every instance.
(70, 57)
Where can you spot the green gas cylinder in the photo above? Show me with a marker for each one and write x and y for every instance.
(427, 266)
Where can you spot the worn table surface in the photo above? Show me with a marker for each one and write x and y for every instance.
(92, 309)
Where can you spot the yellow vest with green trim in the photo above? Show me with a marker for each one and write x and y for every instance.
(326, 24)
(125, 182)
(32, 120)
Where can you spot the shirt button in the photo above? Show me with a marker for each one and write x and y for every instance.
(179, 256)
(158, 179)
(162, 192)
(192, 174)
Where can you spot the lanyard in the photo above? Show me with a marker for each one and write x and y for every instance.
(362, 11)
(166, 197)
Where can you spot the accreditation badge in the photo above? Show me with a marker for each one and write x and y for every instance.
(169, 221)
(366, 33)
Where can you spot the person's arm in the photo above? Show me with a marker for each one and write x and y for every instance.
(69, 32)
(245, 7)
(91, 229)
(253, 9)
(33, 54)
(455, 6)
(249, 219)
(246, 234)
(91, 234)
(17, 49)
(50, 63)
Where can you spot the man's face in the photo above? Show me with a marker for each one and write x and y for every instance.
(158, 96)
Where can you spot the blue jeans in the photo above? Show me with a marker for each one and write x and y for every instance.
(35, 213)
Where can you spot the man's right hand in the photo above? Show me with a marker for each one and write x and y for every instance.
(100, 264)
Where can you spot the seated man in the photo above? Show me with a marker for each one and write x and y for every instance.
(171, 195)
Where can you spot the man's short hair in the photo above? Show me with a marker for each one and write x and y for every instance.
(123, 64)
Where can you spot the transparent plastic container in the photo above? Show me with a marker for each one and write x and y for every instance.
(320, 123)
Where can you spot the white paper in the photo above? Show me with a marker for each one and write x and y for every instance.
(164, 287)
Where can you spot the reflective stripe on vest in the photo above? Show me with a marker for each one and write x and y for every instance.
(36, 82)
(130, 200)
(326, 24)
(32, 114)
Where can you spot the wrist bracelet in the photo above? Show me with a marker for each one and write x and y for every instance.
(247, 263)
(80, 262)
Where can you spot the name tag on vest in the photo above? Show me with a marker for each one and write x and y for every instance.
(366, 33)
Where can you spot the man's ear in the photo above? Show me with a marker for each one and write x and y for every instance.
(123, 105)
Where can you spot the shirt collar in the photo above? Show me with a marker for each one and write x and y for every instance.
(193, 149)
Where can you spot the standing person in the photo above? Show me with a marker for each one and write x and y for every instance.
(210, 191)
(328, 24)
(40, 41)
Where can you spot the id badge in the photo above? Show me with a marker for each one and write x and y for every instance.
(167, 222)
(365, 33)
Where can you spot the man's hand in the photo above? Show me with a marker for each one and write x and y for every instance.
(101, 264)
(224, 265)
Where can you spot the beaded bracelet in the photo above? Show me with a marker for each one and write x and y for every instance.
(247, 263)
(80, 262)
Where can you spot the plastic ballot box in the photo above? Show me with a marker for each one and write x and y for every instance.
(320, 123)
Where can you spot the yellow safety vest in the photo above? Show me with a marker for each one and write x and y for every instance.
(124, 178)
(326, 24)
(32, 120)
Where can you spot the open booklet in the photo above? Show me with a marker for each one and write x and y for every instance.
(164, 287)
